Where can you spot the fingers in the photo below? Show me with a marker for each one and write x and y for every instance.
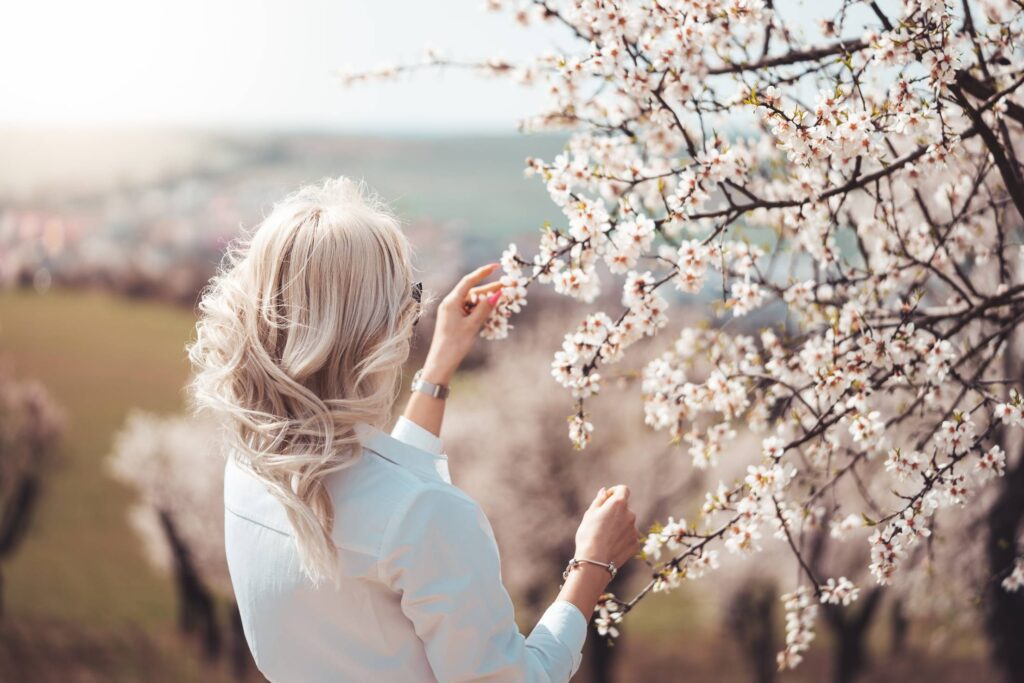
(461, 290)
(481, 290)
(483, 309)
(618, 493)
(608, 531)
(478, 294)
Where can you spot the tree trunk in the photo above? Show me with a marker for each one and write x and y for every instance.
(763, 650)
(1004, 611)
(900, 625)
(849, 626)
(751, 617)
(196, 612)
(600, 657)
(241, 657)
(15, 520)
(17, 514)
(850, 660)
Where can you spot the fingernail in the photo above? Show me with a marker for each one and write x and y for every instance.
(493, 298)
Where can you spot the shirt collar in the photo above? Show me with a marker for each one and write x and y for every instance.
(416, 459)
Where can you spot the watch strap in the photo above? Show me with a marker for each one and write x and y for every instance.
(423, 386)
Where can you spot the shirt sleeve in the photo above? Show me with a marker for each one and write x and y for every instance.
(412, 434)
(440, 554)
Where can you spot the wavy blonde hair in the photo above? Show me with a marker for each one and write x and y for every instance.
(302, 335)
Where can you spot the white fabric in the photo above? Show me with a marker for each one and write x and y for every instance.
(420, 598)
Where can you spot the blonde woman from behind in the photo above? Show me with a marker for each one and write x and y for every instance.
(352, 555)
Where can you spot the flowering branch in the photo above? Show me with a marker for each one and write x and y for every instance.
(849, 211)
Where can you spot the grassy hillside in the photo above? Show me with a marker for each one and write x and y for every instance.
(99, 356)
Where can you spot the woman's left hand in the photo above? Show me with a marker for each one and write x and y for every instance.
(460, 316)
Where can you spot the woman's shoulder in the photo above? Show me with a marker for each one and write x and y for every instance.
(375, 496)
(373, 480)
(437, 524)
(372, 497)
(247, 497)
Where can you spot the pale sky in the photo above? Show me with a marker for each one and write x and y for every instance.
(257, 64)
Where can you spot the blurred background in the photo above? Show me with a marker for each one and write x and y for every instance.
(136, 139)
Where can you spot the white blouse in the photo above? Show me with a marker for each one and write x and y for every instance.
(420, 598)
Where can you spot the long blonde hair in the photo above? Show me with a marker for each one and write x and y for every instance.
(301, 335)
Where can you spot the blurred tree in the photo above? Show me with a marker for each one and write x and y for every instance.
(899, 626)
(30, 427)
(849, 630)
(848, 624)
(175, 465)
(504, 430)
(751, 618)
(1004, 610)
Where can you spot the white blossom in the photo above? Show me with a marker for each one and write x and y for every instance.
(1015, 580)
(801, 613)
(841, 591)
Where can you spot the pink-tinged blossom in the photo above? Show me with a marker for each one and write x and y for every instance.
(746, 296)
(991, 464)
(905, 464)
(1011, 413)
(955, 436)
(742, 536)
(773, 447)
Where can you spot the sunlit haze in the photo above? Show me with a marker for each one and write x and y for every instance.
(256, 64)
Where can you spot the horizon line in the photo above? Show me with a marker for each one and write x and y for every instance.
(273, 129)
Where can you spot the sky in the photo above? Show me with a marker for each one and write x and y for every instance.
(258, 64)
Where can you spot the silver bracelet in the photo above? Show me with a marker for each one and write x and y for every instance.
(436, 390)
(577, 561)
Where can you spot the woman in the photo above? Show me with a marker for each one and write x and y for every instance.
(352, 556)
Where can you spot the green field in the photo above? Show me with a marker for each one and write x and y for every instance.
(99, 356)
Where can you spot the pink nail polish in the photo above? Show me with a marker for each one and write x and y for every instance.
(493, 298)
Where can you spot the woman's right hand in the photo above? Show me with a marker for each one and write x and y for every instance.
(608, 531)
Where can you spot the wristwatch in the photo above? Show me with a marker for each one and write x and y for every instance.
(440, 391)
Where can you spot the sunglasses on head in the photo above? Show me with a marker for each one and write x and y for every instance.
(417, 296)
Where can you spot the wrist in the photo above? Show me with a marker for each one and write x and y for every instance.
(437, 372)
(585, 552)
(588, 576)
(583, 585)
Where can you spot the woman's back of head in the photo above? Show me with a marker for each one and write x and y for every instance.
(301, 335)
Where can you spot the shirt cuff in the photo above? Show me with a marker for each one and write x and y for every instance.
(410, 433)
(567, 624)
